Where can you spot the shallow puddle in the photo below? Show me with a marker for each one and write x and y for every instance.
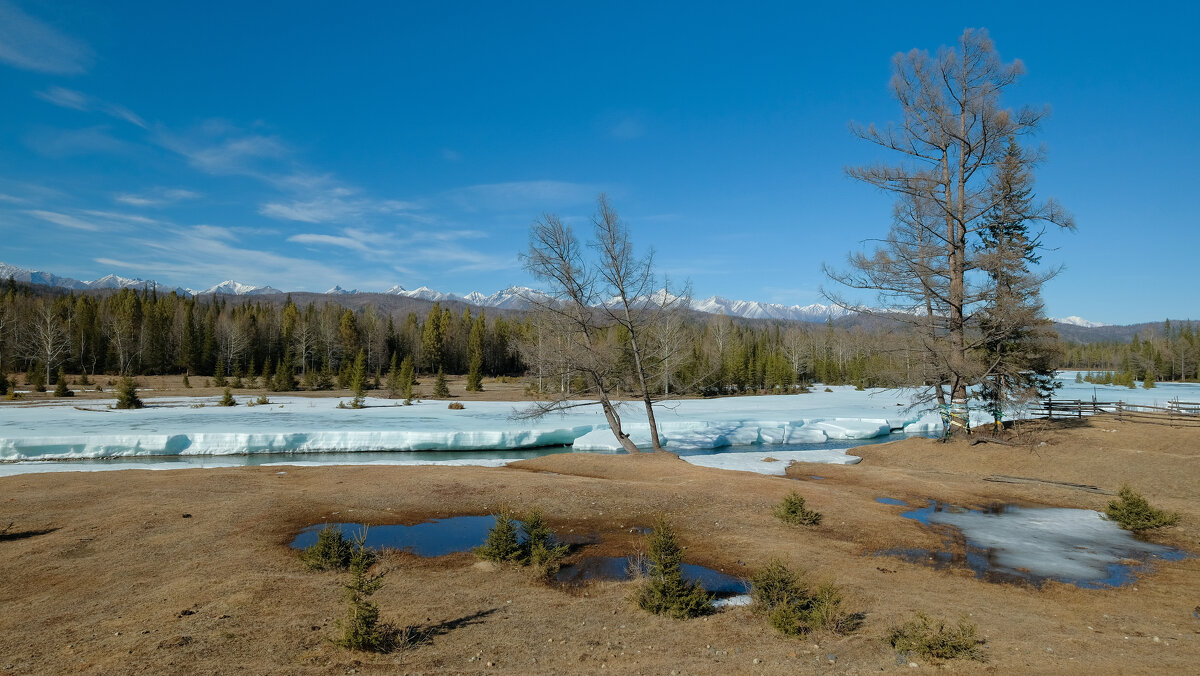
(1006, 543)
(431, 538)
(437, 537)
(891, 501)
(619, 568)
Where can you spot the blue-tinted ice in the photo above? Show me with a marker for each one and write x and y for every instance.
(1006, 543)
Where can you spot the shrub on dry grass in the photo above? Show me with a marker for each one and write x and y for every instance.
(1132, 511)
(794, 608)
(793, 511)
(455, 406)
(935, 638)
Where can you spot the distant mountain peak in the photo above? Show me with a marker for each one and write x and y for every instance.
(339, 291)
(232, 287)
(1077, 321)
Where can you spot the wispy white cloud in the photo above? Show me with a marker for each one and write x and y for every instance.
(117, 216)
(58, 143)
(218, 147)
(65, 98)
(75, 100)
(330, 240)
(156, 197)
(31, 44)
(64, 220)
(532, 196)
(627, 128)
(12, 199)
(193, 255)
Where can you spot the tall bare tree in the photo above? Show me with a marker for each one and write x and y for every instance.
(589, 297)
(952, 138)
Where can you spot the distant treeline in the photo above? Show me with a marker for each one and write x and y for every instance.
(132, 332)
(1170, 352)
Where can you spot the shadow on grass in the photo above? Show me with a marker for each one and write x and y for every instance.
(423, 634)
(7, 533)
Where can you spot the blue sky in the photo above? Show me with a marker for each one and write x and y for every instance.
(304, 145)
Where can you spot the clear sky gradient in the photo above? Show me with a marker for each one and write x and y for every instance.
(304, 145)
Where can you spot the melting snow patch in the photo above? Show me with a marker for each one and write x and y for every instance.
(770, 462)
(1076, 546)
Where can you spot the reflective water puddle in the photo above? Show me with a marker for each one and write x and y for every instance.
(1006, 543)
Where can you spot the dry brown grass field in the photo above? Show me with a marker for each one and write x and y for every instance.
(189, 571)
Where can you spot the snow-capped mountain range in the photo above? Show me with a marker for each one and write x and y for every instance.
(512, 298)
(1077, 321)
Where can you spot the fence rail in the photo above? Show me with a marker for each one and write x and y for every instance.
(1186, 413)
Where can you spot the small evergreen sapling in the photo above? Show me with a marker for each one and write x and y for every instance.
(60, 388)
(1132, 511)
(127, 396)
(358, 380)
(503, 544)
(227, 399)
(440, 389)
(664, 591)
(793, 511)
(545, 553)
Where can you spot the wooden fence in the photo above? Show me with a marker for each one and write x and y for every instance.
(1179, 413)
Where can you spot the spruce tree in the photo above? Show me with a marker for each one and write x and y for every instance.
(1017, 341)
(393, 378)
(358, 380)
(127, 396)
(284, 380)
(440, 389)
(219, 374)
(3, 382)
(407, 379)
(186, 385)
(475, 355)
(61, 389)
(227, 399)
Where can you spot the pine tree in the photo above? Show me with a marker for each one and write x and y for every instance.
(227, 399)
(431, 338)
(219, 374)
(127, 396)
(358, 380)
(186, 384)
(284, 380)
(407, 379)
(475, 355)
(393, 378)
(1017, 343)
(3, 382)
(61, 389)
(440, 389)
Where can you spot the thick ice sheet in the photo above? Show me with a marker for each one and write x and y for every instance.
(78, 430)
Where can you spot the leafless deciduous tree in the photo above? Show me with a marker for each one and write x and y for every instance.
(600, 319)
(48, 341)
(952, 139)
